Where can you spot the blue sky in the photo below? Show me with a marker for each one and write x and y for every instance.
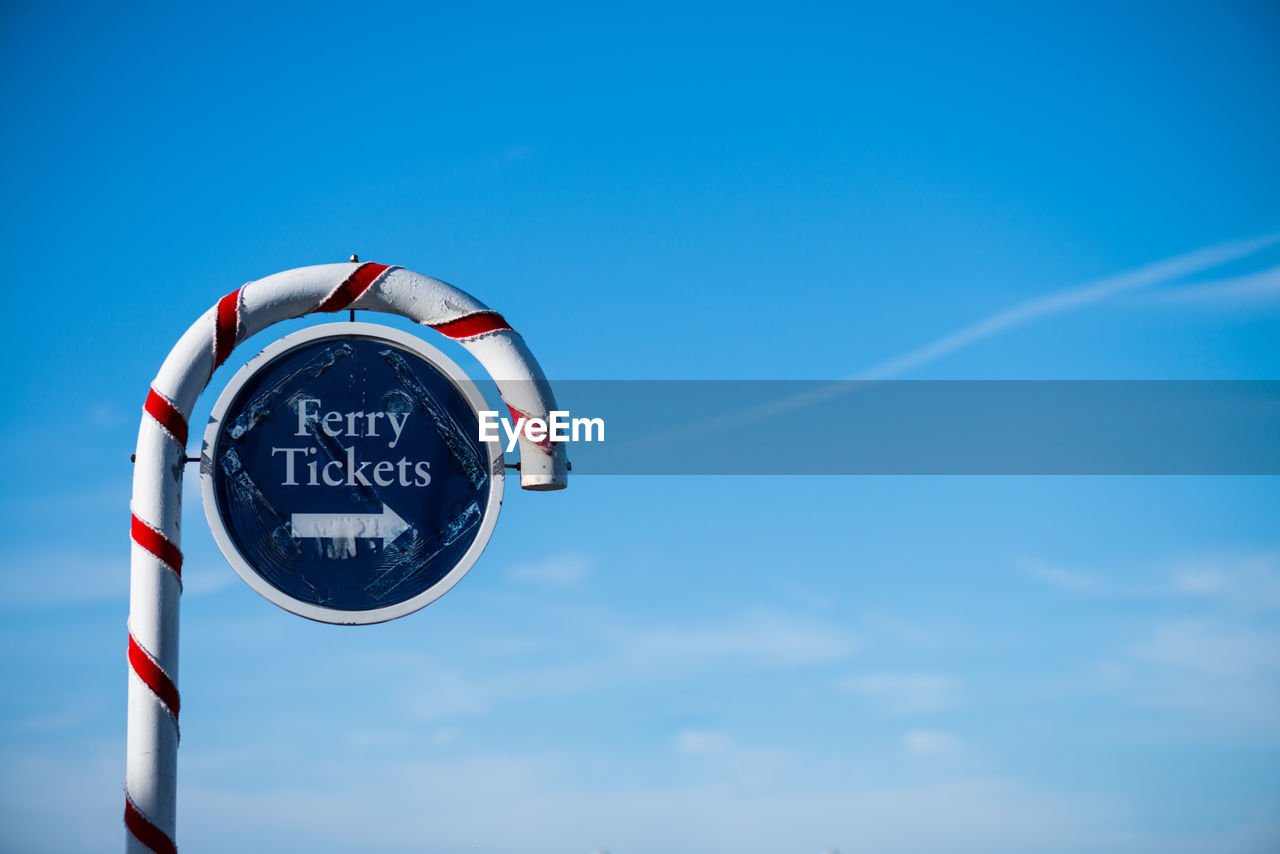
(666, 664)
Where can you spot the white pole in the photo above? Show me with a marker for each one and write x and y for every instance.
(156, 562)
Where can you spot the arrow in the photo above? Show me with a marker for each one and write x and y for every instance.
(385, 526)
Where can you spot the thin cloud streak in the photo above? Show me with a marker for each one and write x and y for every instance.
(1249, 289)
(1062, 579)
(1241, 583)
(1069, 299)
(563, 571)
(904, 693)
(1059, 302)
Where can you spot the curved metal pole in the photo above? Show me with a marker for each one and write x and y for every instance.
(156, 563)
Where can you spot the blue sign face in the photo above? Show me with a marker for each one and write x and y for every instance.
(346, 474)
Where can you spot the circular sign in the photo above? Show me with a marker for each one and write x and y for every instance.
(343, 475)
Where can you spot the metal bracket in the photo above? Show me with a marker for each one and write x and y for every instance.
(568, 466)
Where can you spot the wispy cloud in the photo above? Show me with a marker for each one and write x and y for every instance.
(1247, 582)
(1068, 299)
(761, 639)
(362, 798)
(547, 807)
(1208, 643)
(611, 650)
(1222, 671)
(1062, 579)
(562, 571)
(1243, 582)
(904, 693)
(1262, 286)
(1212, 648)
(927, 742)
(701, 742)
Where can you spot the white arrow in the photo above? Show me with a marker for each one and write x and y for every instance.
(385, 526)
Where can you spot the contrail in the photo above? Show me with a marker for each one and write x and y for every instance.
(1236, 290)
(1058, 302)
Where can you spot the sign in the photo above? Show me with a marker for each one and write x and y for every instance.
(343, 475)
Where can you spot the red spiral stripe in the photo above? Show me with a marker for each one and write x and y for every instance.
(226, 328)
(167, 415)
(545, 444)
(153, 676)
(472, 325)
(351, 289)
(158, 544)
(145, 830)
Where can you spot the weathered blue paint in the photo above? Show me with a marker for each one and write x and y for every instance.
(348, 473)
